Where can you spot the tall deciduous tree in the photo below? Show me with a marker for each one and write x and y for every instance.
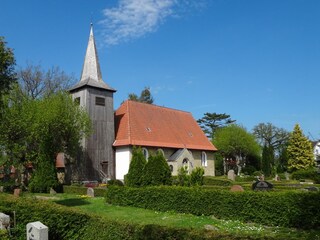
(210, 122)
(36, 130)
(37, 82)
(145, 96)
(7, 72)
(234, 142)
(300, 155)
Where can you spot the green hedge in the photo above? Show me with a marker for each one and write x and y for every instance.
(69, 224)
(288, 209)
(303, 174)
(98, 192)
(216, 181)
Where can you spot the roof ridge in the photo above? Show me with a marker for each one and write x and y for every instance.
(154, 105)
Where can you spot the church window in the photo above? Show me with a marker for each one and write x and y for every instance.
(185, 164)
(145, 153)
(204, 160)
(161, 151)
(100, 101)
(171, 168)
(77, 100)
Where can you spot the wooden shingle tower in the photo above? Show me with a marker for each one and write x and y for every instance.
(92, 93)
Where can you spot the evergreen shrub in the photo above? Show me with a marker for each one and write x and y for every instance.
(310, 173)
(207, 180)
(138, 162)
(183, 179)
(196, 176)
(69, 224)
(287, 209)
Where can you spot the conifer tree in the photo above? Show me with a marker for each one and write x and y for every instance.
(267, 159)
(157, 171)
(299, 151)
(137, 164)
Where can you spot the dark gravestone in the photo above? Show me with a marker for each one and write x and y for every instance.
(262, 186)
(312, 189)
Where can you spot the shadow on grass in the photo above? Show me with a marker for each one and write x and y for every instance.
(71, 202)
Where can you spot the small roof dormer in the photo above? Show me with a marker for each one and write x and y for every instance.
(91, 73)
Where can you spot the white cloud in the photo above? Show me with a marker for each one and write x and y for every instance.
(132, 19)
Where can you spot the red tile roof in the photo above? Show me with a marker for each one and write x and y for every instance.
(143, 124)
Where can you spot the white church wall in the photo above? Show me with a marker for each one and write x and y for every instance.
(123, 156)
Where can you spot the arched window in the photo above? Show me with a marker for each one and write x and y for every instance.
(185, 164)
(204, 161)
(171, 168)
(160, 151)
(145, 153)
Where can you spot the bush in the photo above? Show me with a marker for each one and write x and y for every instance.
(248, 170)
(115, 182)
(288, 209)
(69, 224)
(137, 164)
(311, 174)
(183, 179)
(196, 177)
(216, 181)
(44, 178)
(156, 172)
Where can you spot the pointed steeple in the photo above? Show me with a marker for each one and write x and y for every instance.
(91, 73)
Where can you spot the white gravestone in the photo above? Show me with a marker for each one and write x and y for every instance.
(231, 175)
(4, 221)
(37, 231)
(90, 192)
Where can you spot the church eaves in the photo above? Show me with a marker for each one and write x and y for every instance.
(91, 73)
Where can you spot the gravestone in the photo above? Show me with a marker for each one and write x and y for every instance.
(237, 188)
(287, 176)
(4, 221)
(37, 231)
(312, 189)
(262, 186)
(231, 175)
(52, 191)
(1, 189)
(90, 192)
(17, 192)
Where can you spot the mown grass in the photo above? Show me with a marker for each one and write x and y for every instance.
(97, 206)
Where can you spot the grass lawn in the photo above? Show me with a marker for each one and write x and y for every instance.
(97, 206)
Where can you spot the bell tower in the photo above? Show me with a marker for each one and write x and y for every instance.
(93, 94)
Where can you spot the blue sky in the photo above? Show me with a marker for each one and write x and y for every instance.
(257, 60)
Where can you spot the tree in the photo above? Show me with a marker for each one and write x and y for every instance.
(156, 171)
(145, 96)
(300, 155)
(37, 82)
(210, 122)
(267, 160)
(137, 164)
(7, 72)
(36, 130)
(236, 144)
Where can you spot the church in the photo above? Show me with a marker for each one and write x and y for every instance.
(107, 152)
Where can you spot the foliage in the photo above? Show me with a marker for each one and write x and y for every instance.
(273, 139)
(145, 96)
(210, 122)
(310, 173)
(44, 178)
(291, 209)
(214, 181)
(37, 83)
(249, 169)
(300, 155)
(115, 182)
(196, 176)
(183, 179)
(36, 130)
(7, 73)
(267, 159)
(156, 171)
(136, 168)
(235, 142)
(68, 223)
